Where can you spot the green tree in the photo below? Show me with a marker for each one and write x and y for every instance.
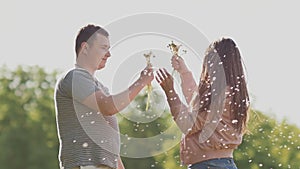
(135, 122)
(28, 137)
(270, 144)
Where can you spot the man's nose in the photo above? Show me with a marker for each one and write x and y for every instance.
(108, 54)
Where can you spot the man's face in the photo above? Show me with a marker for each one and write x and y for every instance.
(99, 51)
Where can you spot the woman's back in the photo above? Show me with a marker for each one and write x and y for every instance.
(217, 138)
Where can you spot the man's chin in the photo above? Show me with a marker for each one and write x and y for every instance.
(100, 67)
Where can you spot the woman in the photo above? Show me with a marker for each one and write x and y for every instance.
(215, 119)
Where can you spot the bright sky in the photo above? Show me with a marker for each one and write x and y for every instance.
(42, 33)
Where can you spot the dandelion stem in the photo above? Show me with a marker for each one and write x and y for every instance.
(149, 91)
(149, 86)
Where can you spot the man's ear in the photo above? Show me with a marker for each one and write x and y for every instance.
(84, 47)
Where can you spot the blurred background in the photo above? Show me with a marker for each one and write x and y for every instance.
(37, 45)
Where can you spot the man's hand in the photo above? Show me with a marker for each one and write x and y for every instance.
(147, 76)
(111, 104)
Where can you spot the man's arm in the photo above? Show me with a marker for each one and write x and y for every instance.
(112, 104)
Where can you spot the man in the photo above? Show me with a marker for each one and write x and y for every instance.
(85, 111)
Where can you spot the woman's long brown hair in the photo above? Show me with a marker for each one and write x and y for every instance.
(223, 63)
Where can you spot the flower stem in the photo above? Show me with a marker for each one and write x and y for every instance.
(149, 90)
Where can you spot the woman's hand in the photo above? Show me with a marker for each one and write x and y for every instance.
(178, 64)
(165, 80)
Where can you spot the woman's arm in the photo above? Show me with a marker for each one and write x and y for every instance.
(188, 121)
(188, 84)
(120, 163)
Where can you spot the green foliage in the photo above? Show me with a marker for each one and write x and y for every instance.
(135, 122)
(270, 144)
(28, 137)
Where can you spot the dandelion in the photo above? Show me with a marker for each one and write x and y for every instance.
(175, 51)
(234, 121)
(85, 145)
(174, 48)
(149, 86)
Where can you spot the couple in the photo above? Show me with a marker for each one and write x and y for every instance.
(212, 124)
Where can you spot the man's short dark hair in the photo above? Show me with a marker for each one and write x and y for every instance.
(86, 33)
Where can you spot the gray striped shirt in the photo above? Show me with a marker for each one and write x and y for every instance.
(86, 136)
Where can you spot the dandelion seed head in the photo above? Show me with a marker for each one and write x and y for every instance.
(84, 145)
